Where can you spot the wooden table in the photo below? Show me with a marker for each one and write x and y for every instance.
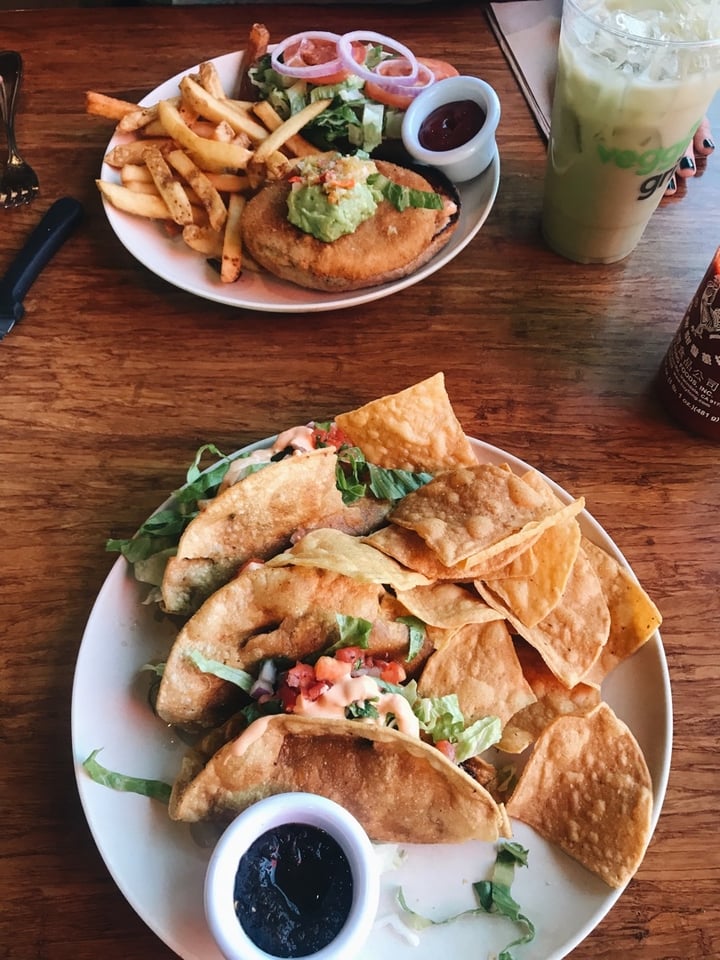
(113, 378)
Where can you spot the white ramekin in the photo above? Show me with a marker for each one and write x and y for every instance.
(470, 159)
(304, 808)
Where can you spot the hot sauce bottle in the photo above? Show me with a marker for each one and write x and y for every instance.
(689, 377)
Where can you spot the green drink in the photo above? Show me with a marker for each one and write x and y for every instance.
(635, 78)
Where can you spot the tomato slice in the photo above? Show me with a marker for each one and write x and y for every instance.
(440, 69)
(312, 52)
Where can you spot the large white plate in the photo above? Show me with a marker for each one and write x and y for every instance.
(175, 262)
(159, 865)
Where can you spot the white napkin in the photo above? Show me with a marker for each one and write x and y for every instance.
(528, 31)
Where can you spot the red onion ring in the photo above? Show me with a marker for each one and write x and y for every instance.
(345, 52)
(307, 72)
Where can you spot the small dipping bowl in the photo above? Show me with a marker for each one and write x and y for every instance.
(468, 159)
(266, 821)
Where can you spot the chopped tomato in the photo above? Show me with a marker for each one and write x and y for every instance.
(350, 654)
(300, 676)
(300, 679)
(334, 437)
(315, 690)
(392, 672)
(287, 697)
(447, 748)
(311, 52)
(393, 98)
(331, 669)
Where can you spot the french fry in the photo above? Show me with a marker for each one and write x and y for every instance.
(229, 182)
(153, 128)
(225, 133)
(207, 154)
(274, 167)
(133, 151)
(138, 118)
(220, 110)
(170, 189)
(139, 186)
(204, 240)
(100, 105)
(206, 192)
(296, 144)
(140, 204)
(209, 79)
(231, 262)
(294, 124)
(133, 172)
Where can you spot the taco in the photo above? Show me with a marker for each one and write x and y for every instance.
(265, 612)
(256, 518)
(400, 788)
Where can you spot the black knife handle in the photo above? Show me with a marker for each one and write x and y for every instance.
(45, 240)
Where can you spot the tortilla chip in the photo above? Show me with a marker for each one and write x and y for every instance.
(334, 550)
(587, 788)
(411, 551)
(633, 616)
(480, 665)
(571, 637)
(446, 605)
(533, 596)
(415, 429)
(252, 519)
(468, 514)
(554, 700)
(401, 789)
(256, 601)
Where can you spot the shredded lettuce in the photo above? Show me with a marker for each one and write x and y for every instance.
(493, 896)
(417, 631)
(477, 738)
(155, 789)
(442, 719)
(241, 678)
(354, 632)
(163, 529)
(157, 668)
(355, 477)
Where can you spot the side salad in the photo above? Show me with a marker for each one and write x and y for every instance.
(370, 78)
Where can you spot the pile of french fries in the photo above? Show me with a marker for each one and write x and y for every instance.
(195, 159)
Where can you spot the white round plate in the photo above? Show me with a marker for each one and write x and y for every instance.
(175, 262)
(159, 865)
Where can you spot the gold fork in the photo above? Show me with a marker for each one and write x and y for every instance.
(19, 182)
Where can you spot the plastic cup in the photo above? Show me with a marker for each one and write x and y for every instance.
(634, 81)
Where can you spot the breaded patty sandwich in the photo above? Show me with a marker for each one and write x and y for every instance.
(343, 223)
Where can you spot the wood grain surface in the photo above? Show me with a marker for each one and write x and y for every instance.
(113, 378)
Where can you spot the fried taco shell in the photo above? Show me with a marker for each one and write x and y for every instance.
(401, 789)
(252, 519)
(261, 613)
